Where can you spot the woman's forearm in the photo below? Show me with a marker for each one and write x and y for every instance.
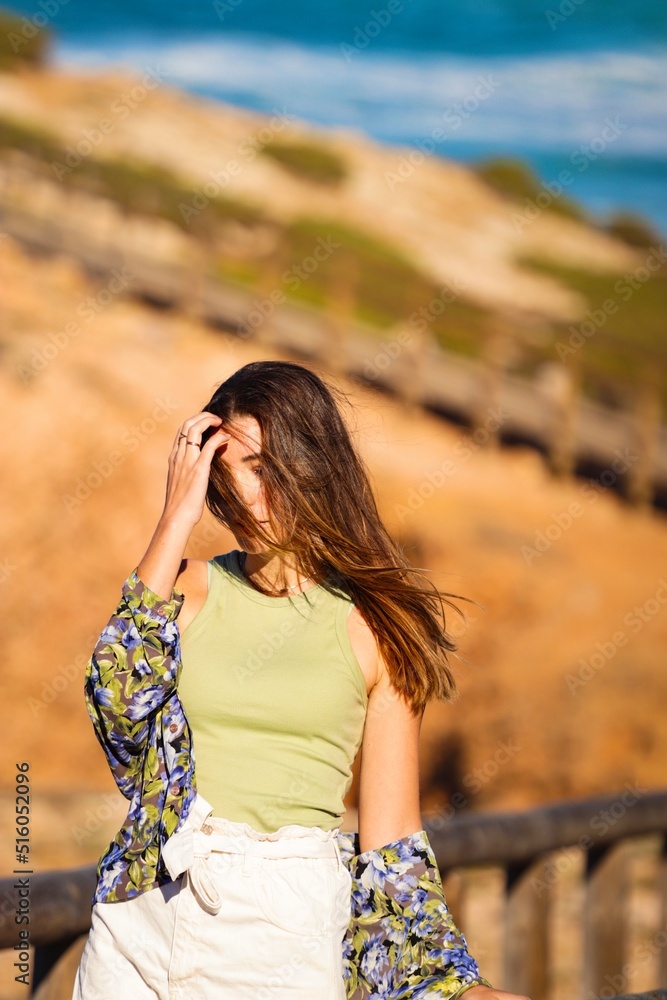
(161, 563)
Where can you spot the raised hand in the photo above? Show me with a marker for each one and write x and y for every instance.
(190, 467)
(187, 482)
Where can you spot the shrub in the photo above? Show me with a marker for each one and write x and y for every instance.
(517, 181)
(21, 42)
(308, 161)
(632, 228)
(135, 185)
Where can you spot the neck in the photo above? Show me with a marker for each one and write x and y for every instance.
(281, 577)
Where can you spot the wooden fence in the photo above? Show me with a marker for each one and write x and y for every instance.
(522, 844)
(171, 270)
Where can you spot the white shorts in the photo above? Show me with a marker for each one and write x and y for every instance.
(255, 916)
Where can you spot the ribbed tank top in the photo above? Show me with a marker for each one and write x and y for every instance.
(276, 701)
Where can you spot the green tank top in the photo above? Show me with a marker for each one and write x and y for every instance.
(276, 701)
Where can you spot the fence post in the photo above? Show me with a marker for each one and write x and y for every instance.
(604, 932)
(662, 889)
(645, 433)
(271, 297)
(498, 354)
(560, 385)
(341, 283)
(527, 929)
(54, 968)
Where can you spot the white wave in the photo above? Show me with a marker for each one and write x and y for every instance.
(550, 102)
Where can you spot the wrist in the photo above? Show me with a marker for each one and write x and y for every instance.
(160, 565)
(175, 524)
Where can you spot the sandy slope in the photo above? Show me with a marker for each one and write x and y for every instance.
(455, 227)
(109, 401)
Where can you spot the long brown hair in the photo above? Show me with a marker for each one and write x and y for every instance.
(323, 511)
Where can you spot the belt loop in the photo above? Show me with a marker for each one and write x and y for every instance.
(248, 845)
(339, 858)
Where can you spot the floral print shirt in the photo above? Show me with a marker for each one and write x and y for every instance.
(402, 943)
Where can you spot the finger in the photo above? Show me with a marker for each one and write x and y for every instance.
(203, 419)
(219, 437)
(194, 437)
(185, 430)
(192, 429)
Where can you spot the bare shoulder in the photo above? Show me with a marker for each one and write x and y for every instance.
(365, 648)
(192, 581)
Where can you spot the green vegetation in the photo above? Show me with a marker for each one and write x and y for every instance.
(633, 229)
(386, 286)
(21, 42)
(308, 161)
(324, 263)
(620, 341)
(327, 264)
(135, 185)
(384, 282)
(516, 181)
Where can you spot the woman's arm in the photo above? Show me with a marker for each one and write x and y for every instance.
(132, 672)
(389, 774)
(396, 875)
(134, 667)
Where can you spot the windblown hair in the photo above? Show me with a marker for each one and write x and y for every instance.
(323, 512)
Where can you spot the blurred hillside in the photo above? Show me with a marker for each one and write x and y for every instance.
(150, 244)
(561, 674)
(401, 237)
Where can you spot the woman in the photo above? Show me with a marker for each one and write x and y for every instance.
(314, 639)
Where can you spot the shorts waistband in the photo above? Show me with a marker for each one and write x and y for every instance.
(187, 849)
(208, 839)
(290, 840)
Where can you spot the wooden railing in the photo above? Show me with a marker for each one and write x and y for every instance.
(525, 845)
(171, 270)
(534, 848)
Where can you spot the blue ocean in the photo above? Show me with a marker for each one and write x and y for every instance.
(564, 81)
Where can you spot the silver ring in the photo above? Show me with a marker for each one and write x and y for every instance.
(194, 443)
